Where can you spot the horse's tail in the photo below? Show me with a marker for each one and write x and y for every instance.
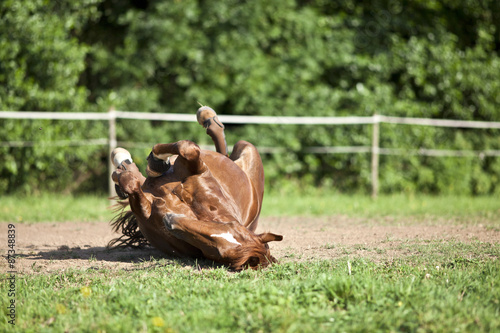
(125, 223)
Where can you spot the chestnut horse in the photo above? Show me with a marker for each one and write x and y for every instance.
(196, 202)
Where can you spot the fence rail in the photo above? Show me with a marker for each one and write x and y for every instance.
(236, 119)
(374, 120)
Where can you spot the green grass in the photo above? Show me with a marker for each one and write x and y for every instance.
(460, 295)
(54, 208)
(58, 208)
(328, 204)
(438, 286)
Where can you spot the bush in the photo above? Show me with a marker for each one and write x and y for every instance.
(282, 58)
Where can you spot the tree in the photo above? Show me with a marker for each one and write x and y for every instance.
(411, 58)
(41, 61)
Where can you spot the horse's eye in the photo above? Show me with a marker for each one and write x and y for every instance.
(253, 261)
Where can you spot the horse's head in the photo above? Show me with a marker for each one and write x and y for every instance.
(229, 243)
(242, 249)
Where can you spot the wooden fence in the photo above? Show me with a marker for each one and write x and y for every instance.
(374, 121)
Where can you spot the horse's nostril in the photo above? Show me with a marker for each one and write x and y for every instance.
(212, 208)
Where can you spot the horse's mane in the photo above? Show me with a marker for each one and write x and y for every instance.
(125, 223)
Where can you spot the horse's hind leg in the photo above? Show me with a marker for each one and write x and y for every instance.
(129, 180)
(207, 118)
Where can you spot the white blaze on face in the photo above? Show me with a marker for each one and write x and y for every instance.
(227, 236)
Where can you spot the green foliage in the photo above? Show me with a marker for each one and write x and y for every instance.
(412, 58)
(41, 58)
(41, 61)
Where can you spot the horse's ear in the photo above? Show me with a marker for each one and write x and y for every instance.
(269, 237)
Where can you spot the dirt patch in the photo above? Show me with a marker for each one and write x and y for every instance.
(49, 247)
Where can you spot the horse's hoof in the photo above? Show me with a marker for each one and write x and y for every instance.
(120, 155)
(156, 167)
(204, 114)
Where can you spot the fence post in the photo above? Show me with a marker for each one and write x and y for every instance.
(112, 145)
(375, 154)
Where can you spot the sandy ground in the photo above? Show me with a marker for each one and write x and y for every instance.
(50, 247)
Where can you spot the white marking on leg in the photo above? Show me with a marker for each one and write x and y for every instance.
(227, 236)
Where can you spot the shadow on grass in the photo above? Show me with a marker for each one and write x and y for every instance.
(144, 258)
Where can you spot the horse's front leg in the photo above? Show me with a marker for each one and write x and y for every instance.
(130, 182)
(188, 155)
